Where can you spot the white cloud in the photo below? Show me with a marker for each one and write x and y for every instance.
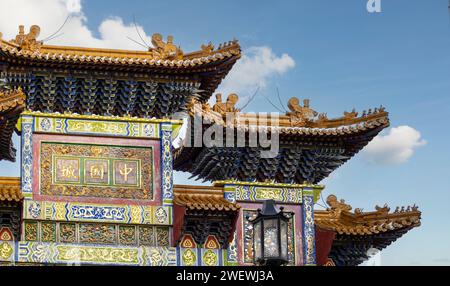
(254, 69)
(51, 14)
(396, 147)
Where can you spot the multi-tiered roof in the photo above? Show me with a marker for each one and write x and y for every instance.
(154, 83)
(311, 145)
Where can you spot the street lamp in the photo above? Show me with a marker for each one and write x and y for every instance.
(270, 235)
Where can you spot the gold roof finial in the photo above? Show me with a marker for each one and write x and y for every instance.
(165, 50)
(28, 41)
(300, 115)
(228, 106)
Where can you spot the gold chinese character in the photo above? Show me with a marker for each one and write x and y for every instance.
(68, 172)
(125, 172)
(97, 172)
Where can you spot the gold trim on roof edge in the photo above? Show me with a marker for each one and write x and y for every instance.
(340, 218)
(10, 189)
(164, 53)
(298, 116)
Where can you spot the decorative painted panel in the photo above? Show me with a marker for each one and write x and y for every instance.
(93, 233)
(85, 212)
(210, 257)
(147, 235)
(7, 251)
(189, 257)
(97, 233)
(96, 171)
(31, 231)
(309, 240)
(27, 155)
(127, 235)
(84, 126)
(116, 170)
(167, 164)
(68, 232)
(162, 236)
(48, 232)
(40, 253)
(257, 193)
(6, 245)
(54, 253)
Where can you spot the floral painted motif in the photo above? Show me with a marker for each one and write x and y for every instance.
(161, 215)
(6, 251)
(146, 236)
(210, 258)
(127, 235)
(31, 231)
(34, 209)
(48, 232)
(97, 233)
(189, 257)
(67, 232)
(162, 236)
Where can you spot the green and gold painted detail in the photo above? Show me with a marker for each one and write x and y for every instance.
(88, 170)
(86, 212)
(100, 125)
(203, 257)
(51, 253)
(127, 235)
(72, 254)
(48, 232)
(97, 233)
(256, 191)
(6, 251)
(31, 231)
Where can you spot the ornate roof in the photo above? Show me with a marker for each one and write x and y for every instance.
(162, 54)
(12, 102)
(311, 145)
(202, 198)
(10, 189)
(156, 83)
(357, 232)
(301, 120)
(340, 218)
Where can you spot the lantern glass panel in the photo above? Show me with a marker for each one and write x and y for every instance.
(284, 239)
(257, 240)
(271, 248)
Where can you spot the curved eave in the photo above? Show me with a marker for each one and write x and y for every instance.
(119, 58)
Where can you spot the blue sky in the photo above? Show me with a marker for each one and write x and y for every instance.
(344, 57)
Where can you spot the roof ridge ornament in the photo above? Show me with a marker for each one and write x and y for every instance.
(337, 206)
(165, 50)
(228, 106)
(28, 41)
(301, 115)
